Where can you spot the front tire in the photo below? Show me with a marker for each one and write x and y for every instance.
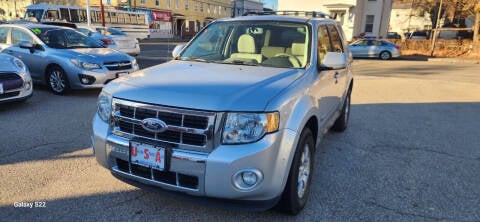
(57, 80)
(385, 55)
(297, 189)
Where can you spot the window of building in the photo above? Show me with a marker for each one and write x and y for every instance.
(208, 8)
(201, 7)
(177, 4)
(157, 3)
(187, 4)
(169, 3)
(195, 6)
(369, 23)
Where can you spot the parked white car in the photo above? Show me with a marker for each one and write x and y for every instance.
(125, 43)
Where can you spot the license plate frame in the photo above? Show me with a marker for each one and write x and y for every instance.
(148, 155)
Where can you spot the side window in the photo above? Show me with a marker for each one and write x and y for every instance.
(337, 44)
(323, 43)
(3, 35)
(20, 35)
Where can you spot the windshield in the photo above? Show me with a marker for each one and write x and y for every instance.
(60, 38)
(34, 13)
(262, 43)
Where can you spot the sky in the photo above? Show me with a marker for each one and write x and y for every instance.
(268, 3)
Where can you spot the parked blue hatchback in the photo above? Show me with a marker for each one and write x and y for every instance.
(64, 58)
(374, 48)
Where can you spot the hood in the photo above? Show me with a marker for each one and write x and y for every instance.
(7, 65)
(205, 86)
(101, 54)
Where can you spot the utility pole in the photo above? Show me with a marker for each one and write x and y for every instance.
(476, 27)
(410, 16)
(435, 31)
(89, 21)
(102, 16)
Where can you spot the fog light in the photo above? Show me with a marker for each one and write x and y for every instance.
(28, 85)
(247, 179)
(86, 79)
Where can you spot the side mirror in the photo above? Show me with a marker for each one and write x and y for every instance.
(333, 61)
(176, 51)
(25, 45)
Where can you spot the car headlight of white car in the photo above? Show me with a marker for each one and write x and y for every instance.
(24, 73)
(104, 106)
(248, 127)
(135, 64)
(85, 65)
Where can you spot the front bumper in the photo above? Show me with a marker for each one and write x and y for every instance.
(131, 51)
(101, 76)
(213, 171)
(17, 94)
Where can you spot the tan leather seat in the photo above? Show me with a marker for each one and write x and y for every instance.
(246, 50)
(271, 51)
(298, 50)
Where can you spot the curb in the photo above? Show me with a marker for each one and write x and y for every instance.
(455, 60)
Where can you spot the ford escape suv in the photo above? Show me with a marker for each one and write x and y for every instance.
(236, 116)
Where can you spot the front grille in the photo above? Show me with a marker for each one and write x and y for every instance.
(11, 81)
(118, 65)
(187, 129)
(167, 177)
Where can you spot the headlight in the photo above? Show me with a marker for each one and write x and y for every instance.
(104, 106)
(20, 64)
(135, 64)
(248, 127)
(85, 65)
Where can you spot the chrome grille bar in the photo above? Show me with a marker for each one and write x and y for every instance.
(194, 135)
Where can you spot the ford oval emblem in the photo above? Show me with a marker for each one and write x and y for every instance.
(154, 125)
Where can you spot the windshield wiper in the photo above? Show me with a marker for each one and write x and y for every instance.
(196, 59)
(239, 62)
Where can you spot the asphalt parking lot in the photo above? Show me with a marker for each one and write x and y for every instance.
(411, 153)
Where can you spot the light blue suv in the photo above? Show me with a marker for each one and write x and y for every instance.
(63, 58)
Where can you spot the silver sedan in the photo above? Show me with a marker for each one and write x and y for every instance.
(64, 58)
(374, 48)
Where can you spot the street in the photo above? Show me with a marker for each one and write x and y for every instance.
(411, 153)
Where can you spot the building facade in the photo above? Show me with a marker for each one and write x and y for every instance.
(405, 18)
(168, 18)
(358, 17)
(13, 9)
(372, 18)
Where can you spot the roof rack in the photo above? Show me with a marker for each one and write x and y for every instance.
(313, 14)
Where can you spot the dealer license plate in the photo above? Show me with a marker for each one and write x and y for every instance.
(147, 155)
(120, 74)
(1, 88)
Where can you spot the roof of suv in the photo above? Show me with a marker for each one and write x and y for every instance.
(283, 18)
